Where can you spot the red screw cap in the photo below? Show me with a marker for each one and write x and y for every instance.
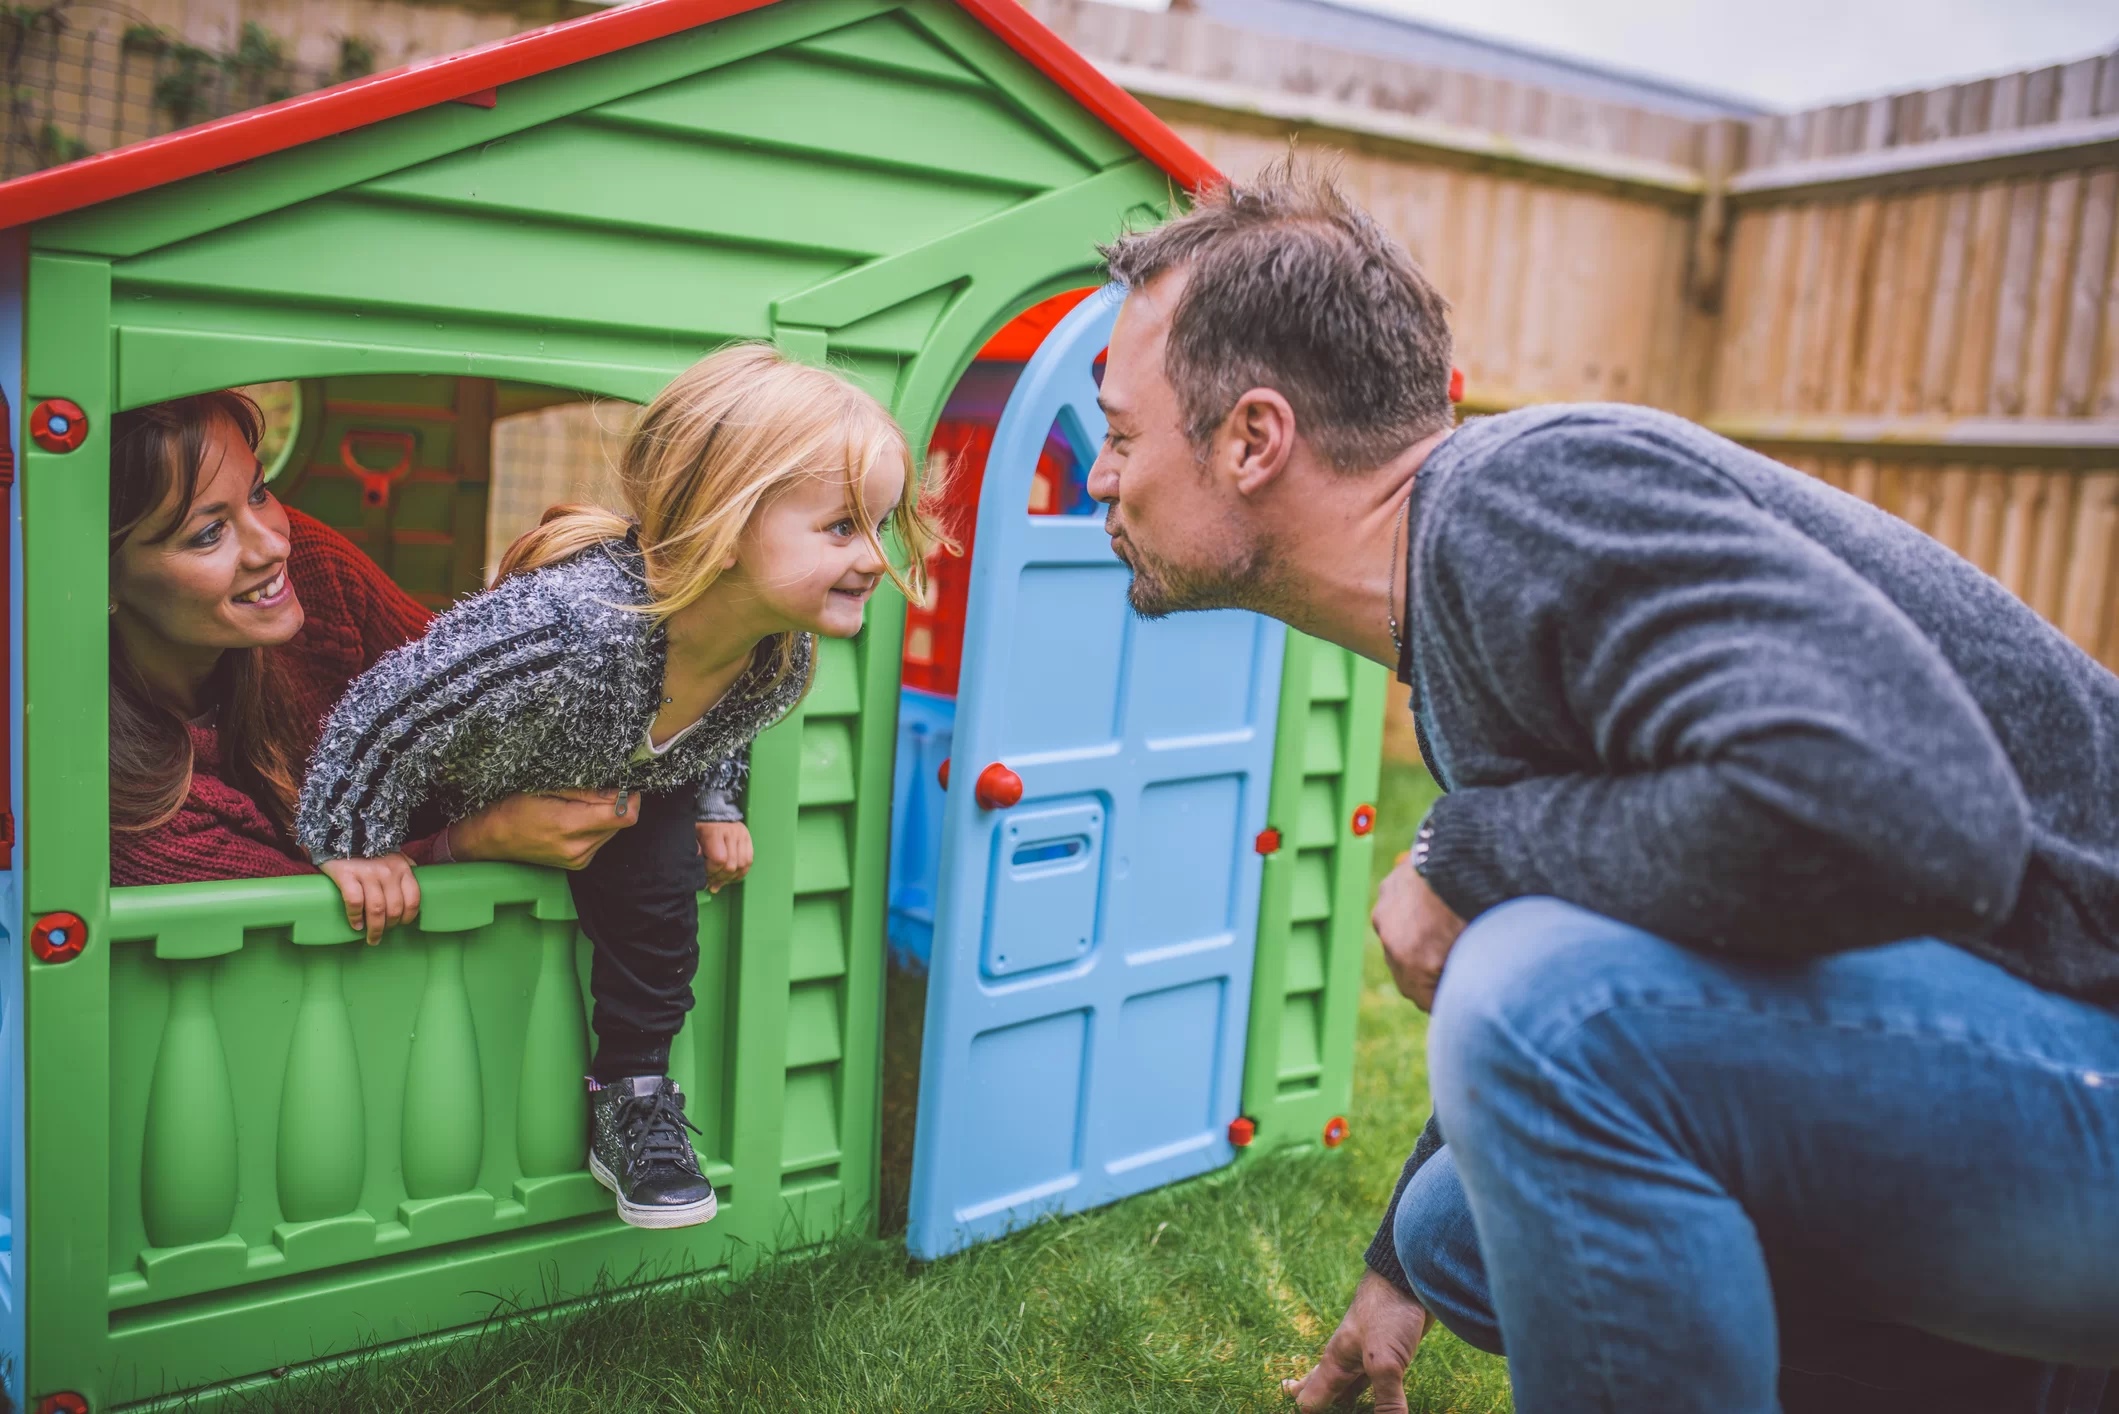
(58, 937)
(64, 1402)
(58, 425)
(943, 774)
(1268, 841)
(998, 787)
(1335, 1132)
(1364, 819)
(1242, 1130)
(1456, 385)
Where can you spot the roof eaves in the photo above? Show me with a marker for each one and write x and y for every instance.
(471, 73)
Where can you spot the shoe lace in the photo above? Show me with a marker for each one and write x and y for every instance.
(653, 1129)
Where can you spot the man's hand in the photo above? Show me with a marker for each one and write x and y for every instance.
(379, 893)
(727, 847)
(1372, 1349)
(1417, 930)
(563, 828)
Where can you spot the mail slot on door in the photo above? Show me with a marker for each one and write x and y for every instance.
(1045, 884)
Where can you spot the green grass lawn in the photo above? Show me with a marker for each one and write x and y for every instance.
(1198, 1297)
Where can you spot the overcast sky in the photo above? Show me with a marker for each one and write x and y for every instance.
(1794, 53)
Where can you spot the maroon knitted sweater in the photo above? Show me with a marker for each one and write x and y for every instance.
(353, 614)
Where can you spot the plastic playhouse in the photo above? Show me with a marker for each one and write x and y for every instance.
(1144, 882)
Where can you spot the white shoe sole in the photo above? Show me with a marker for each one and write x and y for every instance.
(690, 1215)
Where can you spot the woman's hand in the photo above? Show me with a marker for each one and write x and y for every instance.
(563, 828)
(727, 847)
(379, 893)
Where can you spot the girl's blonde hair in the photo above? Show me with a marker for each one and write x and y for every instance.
(721, 441)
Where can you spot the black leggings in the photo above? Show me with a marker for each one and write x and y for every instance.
(638, 901)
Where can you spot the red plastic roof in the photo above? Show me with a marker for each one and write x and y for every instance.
(473, 74)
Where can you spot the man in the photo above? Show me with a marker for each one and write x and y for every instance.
(1778, 1065)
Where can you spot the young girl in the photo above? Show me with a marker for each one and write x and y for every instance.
(639, 653)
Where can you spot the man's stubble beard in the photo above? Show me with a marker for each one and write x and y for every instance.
(1243, 581)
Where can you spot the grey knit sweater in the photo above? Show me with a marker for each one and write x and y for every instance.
(547, 682)
(1672, 681)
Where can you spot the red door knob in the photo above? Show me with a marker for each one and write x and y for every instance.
(998, 787)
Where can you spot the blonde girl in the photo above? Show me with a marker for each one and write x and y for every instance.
(642, 653)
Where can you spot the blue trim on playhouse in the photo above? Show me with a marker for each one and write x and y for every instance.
(926, 726)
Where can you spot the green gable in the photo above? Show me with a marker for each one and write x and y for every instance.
(875, 184)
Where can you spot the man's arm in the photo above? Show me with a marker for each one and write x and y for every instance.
(1753, 748)
(1382, 1256)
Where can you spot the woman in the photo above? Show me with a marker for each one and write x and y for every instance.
(235, 626)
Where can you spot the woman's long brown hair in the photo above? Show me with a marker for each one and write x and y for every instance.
(154, 450)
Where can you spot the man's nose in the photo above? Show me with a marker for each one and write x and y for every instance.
(1103, 479)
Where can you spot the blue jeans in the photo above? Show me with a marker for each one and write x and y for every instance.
(1677, 1181)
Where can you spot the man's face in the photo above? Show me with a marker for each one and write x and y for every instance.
(1174, 517)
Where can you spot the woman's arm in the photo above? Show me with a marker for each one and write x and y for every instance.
(563, 829)
(200, 843)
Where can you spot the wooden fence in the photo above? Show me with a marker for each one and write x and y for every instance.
(1922, 310)
(1560, 228)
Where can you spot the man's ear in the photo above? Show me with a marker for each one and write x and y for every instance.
(1259, 436)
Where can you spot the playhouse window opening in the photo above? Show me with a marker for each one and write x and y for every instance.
(428, 476)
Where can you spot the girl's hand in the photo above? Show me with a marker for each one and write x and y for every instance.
(727, 847)
(379, 893)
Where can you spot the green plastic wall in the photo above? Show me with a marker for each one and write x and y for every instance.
(253, 1142)
(1313, 907)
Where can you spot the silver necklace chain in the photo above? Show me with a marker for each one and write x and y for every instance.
(1397, 572)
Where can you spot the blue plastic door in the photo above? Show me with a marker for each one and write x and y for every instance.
(1093, 942)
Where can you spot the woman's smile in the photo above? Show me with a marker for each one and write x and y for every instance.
(268, 595)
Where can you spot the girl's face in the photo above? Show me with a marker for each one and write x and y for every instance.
(804, 558)
(219, 580)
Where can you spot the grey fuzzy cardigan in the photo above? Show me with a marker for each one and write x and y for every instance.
(548, 681)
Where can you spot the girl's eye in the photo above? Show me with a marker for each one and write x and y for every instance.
(259, 495)
(844, 529)
(211, 535)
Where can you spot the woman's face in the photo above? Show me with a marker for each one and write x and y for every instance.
(805, 559)
(219, 580)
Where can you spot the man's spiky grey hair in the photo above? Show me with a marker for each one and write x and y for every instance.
(1294, 287)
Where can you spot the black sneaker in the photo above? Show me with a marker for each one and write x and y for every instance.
(637, 1149)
